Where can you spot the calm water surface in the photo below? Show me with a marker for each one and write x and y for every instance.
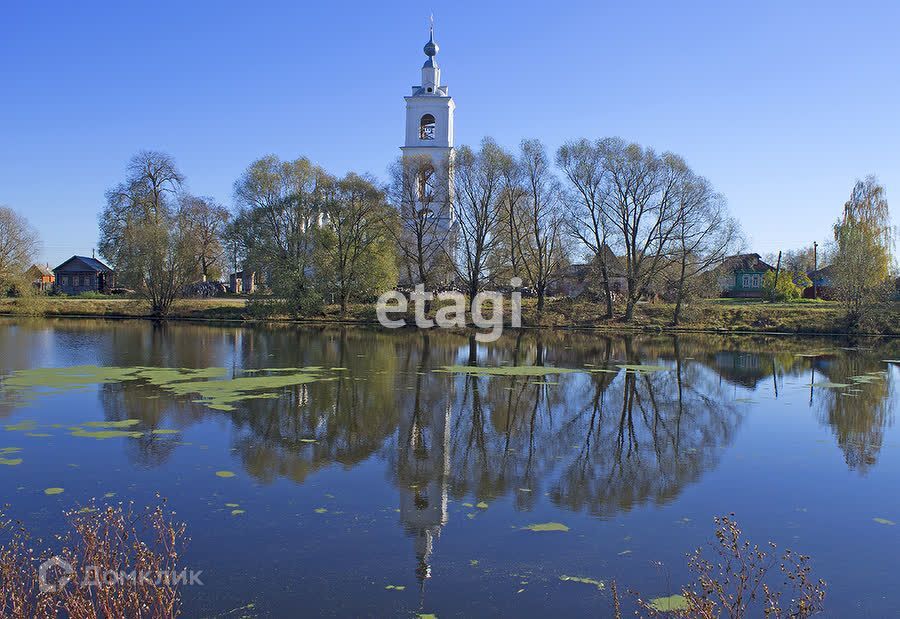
(385, 470)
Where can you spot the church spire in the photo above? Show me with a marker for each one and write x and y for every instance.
(431, 48)
(431, 73)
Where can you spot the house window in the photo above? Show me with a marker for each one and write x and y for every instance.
(426, 127)
(745, 281)
(757, 281)
(65, 280)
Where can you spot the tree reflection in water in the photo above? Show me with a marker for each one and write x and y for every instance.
(601, 442)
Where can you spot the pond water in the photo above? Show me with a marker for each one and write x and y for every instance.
(375, 474)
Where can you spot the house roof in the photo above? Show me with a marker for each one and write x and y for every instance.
(41, 269)
(82, 263)
(825, 271)
(745, 262)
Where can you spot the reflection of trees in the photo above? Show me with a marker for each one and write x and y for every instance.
(857, 417)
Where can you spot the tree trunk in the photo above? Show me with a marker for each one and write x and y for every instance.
(607, 291)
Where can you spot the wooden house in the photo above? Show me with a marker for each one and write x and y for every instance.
(41, 277)
(80, 274)
(741, 276)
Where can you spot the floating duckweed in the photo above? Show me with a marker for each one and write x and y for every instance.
(237, 512)
(547, 526)
(637, 367)
(125, 423)
(481, 505)
(669, 604)
(22, 426)
(10, 461)
(9, 450)
(204, 382)
(587, 581)
(884, 521)
(232, 505)
(830, 385)
(52, 491)
(224, 474)
(396, 587)
(518, 370)
(164, 431)
(320, 510)
(105, 434)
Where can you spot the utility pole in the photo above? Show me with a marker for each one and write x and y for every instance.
(815, 268)
(777, 273)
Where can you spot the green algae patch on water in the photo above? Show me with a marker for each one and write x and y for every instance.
(546, 526)
(224, 474)
(505, 370)
(642, 369)
(125, 423)
(237, 512)
(10, 461)
(320, 510)
(827, 384)
(164, 431)
(211, 385)
(223, 394)
(22, 426)
(884, 521)
(586, 581)
(105, 434)
(669, 604)
(52, 491)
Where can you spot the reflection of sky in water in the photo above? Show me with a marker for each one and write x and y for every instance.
(393, 474)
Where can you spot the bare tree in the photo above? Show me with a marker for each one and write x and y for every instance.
(422, 234)
(704, 235)
(539, 240)
(478, 187)
(206, 222)
(18, 247)
(643, 211)
(582, 163)
(505, 260)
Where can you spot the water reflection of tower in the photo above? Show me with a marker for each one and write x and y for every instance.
(423, 468)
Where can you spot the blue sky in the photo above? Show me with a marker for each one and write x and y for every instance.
(782, 105)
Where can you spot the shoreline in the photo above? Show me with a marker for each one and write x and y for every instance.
(745, 318)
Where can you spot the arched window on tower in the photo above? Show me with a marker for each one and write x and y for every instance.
(426, 127)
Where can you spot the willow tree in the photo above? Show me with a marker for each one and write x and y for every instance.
(863, 242)
(356, 254)
(144, 233)
(18, 247)
(280, 209)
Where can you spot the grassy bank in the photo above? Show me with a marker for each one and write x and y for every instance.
(726, 315)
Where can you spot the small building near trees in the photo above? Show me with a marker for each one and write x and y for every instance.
(80, 274)
(41, 277)
(823, 283)
(741, 276)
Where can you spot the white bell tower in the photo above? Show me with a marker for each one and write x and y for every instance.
(429, 134)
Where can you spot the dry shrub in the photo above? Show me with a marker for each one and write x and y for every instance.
(124, 563)
(740, 581)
